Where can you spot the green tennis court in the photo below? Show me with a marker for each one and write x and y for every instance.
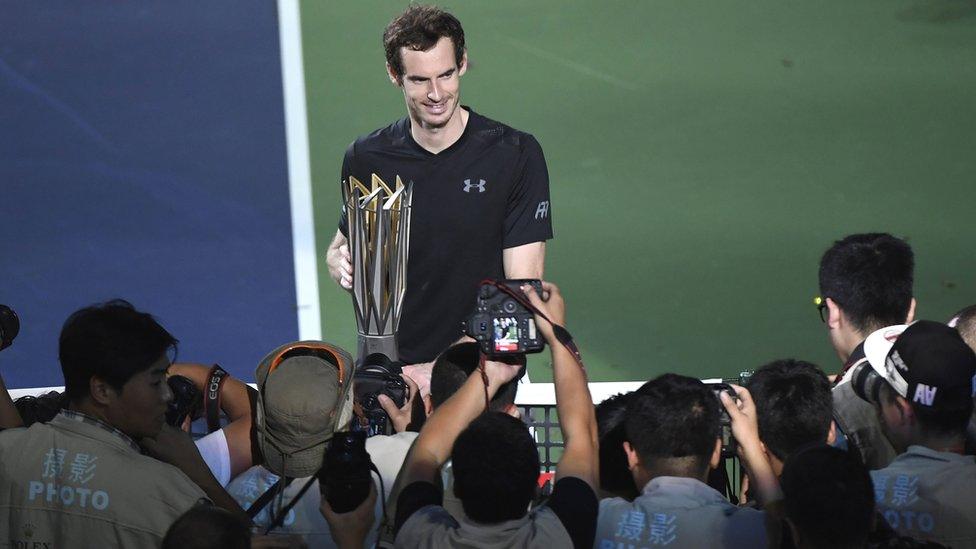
(702, 156)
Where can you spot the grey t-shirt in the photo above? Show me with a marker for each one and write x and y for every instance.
(930, 496)
(678, 512)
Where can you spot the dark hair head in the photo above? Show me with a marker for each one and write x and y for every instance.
(206, 526)
(943, 421)
(793, 404)
(829, 497)
(112, 341)
(965, 323)
(39, 409)
(673, 416)
(496, 466)
(452, 368)
(419, 28)
(615, 477)
(870, 277)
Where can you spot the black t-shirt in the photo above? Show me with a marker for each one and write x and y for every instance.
(486, 192)
(572, 501)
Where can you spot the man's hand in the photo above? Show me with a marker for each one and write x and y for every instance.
(745, 429)
(339, 261)
(175, 447)
(549, 303)
(400, 417)
(420, 374)
(501, 370)
(350, 529)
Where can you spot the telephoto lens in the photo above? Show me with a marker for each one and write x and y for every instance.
(866, 382)
(344, 478)
(9, 326)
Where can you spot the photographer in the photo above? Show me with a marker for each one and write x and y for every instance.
(304, 398)
(496, 463)
(921, 387)
(83, 475)
(673, 441)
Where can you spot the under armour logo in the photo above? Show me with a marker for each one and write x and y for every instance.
(468, 185)
(542, 210)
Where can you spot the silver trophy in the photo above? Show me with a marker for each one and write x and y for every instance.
(379, 242)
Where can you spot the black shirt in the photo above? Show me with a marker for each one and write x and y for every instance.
(572, 501)
(486, 192)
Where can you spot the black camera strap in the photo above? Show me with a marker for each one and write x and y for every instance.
(211, 397)
(265, 498)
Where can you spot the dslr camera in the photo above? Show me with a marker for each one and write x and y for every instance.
(376, 376)
(345, 478)
(500, 324)
(729, 446)
(9, 326)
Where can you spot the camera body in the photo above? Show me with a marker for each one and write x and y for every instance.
(729, 446)
(9, 326)
(186, 400)
(344, 478)
(376, 376)
(500, 324)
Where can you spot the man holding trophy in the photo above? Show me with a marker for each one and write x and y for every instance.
(435, 202)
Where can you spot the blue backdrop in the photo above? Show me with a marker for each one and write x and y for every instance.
(143, 156)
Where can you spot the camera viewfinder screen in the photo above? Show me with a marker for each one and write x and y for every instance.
(506, 334)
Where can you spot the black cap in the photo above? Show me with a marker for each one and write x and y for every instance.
(931, 366)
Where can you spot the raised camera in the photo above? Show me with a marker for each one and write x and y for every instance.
(500, 324)
(376, 376)
(725, 421)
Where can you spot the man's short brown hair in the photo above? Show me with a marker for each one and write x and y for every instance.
(419, 28)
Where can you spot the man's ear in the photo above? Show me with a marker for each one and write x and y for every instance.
(393, 76)
(101, 392)
(905, 412)
(832, 433)
(910, 317)
(835, 317)
(716, 455)
(464, 64)
(428, 405)
(633, 460)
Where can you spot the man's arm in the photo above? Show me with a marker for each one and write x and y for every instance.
(239, 403)
(525, 261)
(339, 261)
(574, 404)
(745, 429)
(175, 447)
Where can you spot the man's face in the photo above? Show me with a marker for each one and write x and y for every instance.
(139, 410)
(892, 423)
(431, 83)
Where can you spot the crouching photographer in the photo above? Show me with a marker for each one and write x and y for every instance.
(673, 440)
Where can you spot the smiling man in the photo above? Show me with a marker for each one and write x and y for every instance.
(481, 189)
(81, 480)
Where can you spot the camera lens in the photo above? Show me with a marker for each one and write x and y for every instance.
(866, 382)
(509, 306)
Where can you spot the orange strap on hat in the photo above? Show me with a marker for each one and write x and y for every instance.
(312, 349)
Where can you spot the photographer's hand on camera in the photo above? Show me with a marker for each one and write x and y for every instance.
(349, 530)
(400, 417)
(552, 305)
(745, 429)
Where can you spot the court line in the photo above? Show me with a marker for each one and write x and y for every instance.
(299, 171)
(569, 63)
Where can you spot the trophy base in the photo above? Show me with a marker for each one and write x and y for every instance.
(369, 344)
